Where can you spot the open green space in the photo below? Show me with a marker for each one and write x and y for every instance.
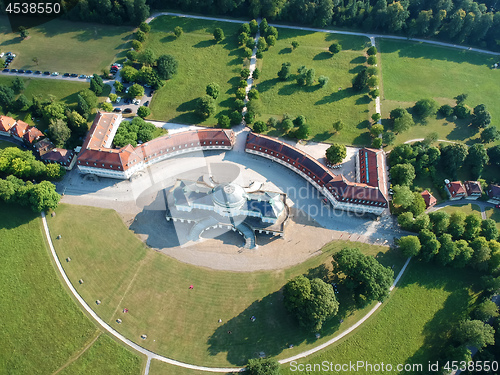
(413, 324)
(493, 213)
(66, 46)
(413, 71)
(201, 61)
(42, 327)
(321, 106)
(121, 272)
(467, 208)
(5, 144)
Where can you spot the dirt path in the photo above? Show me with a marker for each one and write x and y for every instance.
(80, 353)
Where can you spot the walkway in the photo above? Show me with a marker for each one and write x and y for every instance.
(151, 355)
(481, 204)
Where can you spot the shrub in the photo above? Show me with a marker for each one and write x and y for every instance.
(322, 80)
(295, 44)
(213, 90)
(235, 117)
(218, 34)
(178, 31)
(143, 111)
(241, 93)
(245, 73)
(205, 106)
(271, 40)
(144, 27)
(253, 94)
(256, 73)
(335, 48)
(375, 93)
(272, 122)
(224, 121)
(140, 36)
(259, 127)
(372, 51)
(372, 60)
(136, 45)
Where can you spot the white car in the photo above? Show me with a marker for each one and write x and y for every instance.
(54, 74)
(118, 65)
(118, 99)
(136, 101)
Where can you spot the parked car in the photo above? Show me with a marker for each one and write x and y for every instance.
(66, 75)
(146, 104)
(54, 74)
(117, 109)
(5, 70)
(74, 75)
(118, 65)
(136, 101)
(37, 72)
(498, 206)
(13, 70)
(127, 110)
(82, 76)
(46, 73)
(20, 71)
(118, 99)
(29, 71)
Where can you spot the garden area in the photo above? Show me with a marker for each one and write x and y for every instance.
(180, 322)
(65, 46)
(42, 327)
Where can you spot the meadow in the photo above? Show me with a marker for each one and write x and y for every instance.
(42, 327)
(201, 61)
(65, 46)
(414, 71)
(321, 106)
(182, 323)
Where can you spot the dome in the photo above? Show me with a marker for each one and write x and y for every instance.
(229, 195)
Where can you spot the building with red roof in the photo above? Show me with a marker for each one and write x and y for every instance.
(32, 135)
(19, 129)
(60, 156)
(367, 195)
(6, 123)
(98, 157)
(473, 189)
(429, 199)
(455, 190)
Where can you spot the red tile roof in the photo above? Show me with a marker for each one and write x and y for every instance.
(32, 134)
(6, 123)
(456, 188)
(100, 131)
(429, 199)
(19, 129)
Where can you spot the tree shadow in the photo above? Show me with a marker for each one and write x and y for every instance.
(323, 56)
(321, 137)
(236, 61)
(336, 96)
(362, 139)
(461, 131)
(365, 124)
(187, 106)
(358, 60)
(167, 39)
(349, 42)
(363, 100)
(228, 103)
(204, 44)
(356, 69)
(268, 84)
(285, 51)
(320, 272)
(289, 89)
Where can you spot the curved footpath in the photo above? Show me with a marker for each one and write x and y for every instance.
(151, 355)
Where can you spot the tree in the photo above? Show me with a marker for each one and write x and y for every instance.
(303, 132)
(336, 153)
(486, 310)
(472, 226)
(403, 196)
(263, 366)
(261, 44)
(95, 86)
(77, 123)
(128, 74)
(446, 110)
(253, 94)
(388, 138)
(260, 127)
(430, 245)
(417, 207)
(43, 196)
(224, 122)
(35, 60)
(375, 93)
(489, 229)
(245, 28)
(335, 48)
(494, 155)
(22, 103)
(256, 73)
(360, 82)
(284, 73)
(143, 111)
(254, 27)
(136, 90)
(23, 32)
(295, 44)
(59, 131)
(477, 159)
(245, 73)
(241, 93)
(178, 31)
(463, 255)
(481, 118)
(309, 77)
(205, 106)
(372, 60)
(136, 45)
(236, 117)
(453, 156)
(243, 38)
(107, 107)
(147, 57)
(403, 123)
(144, 27)
(440, 221)
(425, 108)
(218, 34)
(377, 143)
(490, 134)
(482, 253)
(405, 220)
(397, 15)
(474, 333)
(409, 246)
(338, 125)
(371, 51)
(18, 85)
(54, 111)
(364, 275)
(402, 174)
(271, 40)
(457, 224)
(448, 249)
(213, 90)
(461, 111)
(247, 52)
(166, 65)
(140, 36)
(287, 125)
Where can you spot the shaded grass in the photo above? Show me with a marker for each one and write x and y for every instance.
(66, 46)
(414, 323)
(182, 323)
(493, 213)
(41, 326)
(321, 106)
(201, 61)
(105, 356)
(5, 144)
(413, 71)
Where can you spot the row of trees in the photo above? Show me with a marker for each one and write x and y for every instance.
(153, 69)
(131, 132)
(452, 20)
(38, 196)
(312, 301)
(23, 164)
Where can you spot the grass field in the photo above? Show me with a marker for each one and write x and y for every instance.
(41, 326)
(5, 144)
(201, 61)
(66, 46)
(413, 71)
(182, 323)
(493, 213)
(414, 323)
(467, 208)
(321, 106)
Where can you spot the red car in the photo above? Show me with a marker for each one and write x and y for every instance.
(498, 206)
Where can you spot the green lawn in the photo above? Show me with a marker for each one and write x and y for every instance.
(66, 46)
(413, 71)
(493, 213)
(201, 61)
(413, 324)
(41, 326)
(182, 323)
(321, 106)
(5, 144)
(467, 208)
